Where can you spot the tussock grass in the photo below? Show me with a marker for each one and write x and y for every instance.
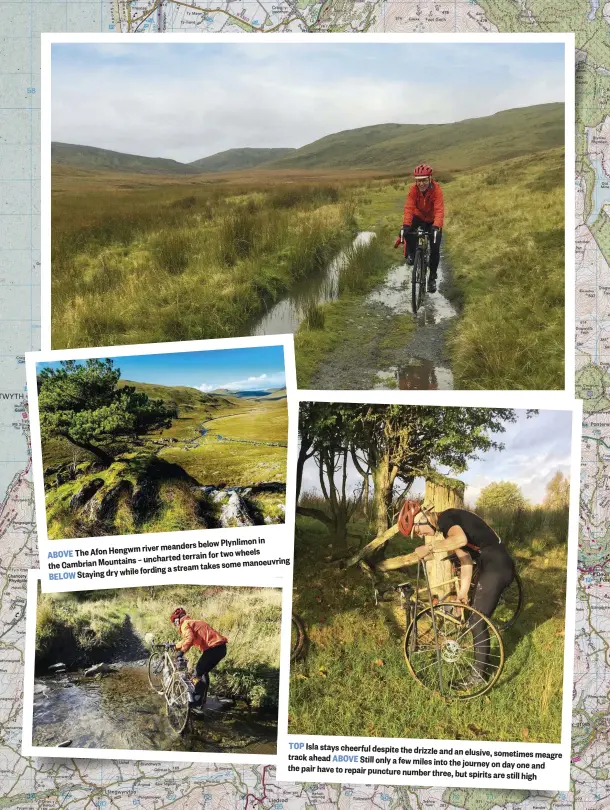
(354, 680)
(361, 264)
(505, 243)
(131, 266)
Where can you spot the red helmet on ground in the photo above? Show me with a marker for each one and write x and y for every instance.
(406, 518)
(423, 170)
(179, 613)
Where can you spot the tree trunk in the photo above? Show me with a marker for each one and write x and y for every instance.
(304, 454)
(382, 494)
(442, 496)
(100, 454)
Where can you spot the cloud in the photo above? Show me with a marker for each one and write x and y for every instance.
(248, 384)
(189, 103)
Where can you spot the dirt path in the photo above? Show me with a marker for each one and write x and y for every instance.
(375, 355)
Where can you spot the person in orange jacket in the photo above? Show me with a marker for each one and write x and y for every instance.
(424, 206)
(197, 633)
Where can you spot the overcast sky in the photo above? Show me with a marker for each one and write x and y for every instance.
(535, 449)
(192, 100)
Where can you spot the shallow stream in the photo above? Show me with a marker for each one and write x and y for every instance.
(121, 711)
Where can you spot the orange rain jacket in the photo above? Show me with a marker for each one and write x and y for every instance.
(196, 633)
(427, 205)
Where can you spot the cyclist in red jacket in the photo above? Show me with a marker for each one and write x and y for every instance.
(197, 633)
(424, 206)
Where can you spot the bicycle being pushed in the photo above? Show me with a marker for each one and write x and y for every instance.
(167, 675)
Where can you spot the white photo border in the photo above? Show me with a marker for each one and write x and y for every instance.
(279, 39)
(31, 750)
(280, 536)
(558, 774)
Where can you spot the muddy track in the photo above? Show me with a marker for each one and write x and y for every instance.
(419, 364)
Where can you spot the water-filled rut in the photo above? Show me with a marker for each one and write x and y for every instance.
(289, 313)
(121, 711)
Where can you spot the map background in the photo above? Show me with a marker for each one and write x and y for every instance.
(39, 784)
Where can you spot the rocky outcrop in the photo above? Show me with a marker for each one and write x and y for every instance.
(86, 493)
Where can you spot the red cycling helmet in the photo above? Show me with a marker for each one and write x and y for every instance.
(406, 518)
(179, 613)
(423, 170)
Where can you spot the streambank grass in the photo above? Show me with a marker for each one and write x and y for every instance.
(137, 266)
(354, 680)
(505, 243)
(88, 626)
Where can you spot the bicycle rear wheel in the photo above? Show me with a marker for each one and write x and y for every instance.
(509, 605)
(417, 273)
(177, 704)
(440, 650)
(297, 638)
(155, 672)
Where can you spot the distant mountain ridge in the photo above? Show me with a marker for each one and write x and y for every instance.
(234, 159)
(390, 147)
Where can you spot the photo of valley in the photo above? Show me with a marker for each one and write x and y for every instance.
(163, 442)
(173, 220)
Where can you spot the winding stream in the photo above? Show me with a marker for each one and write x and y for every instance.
(122, 711)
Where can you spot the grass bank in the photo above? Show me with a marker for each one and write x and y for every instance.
(111, 625)
(354, 680)
(204, 260)
(505, 243)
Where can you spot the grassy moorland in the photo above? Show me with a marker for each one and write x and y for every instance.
(505, 243)
(206, 258)
(142, 257)
(175, 478)
(108, 625)
(353, 679)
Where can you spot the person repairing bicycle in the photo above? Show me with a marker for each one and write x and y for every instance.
(424, 206)
(467, 535)
(213, 646)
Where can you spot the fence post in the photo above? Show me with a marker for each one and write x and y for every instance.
(442, 493)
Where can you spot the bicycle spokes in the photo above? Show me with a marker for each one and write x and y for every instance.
(459, 657)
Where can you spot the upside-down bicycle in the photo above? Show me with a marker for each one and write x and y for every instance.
(449, 647)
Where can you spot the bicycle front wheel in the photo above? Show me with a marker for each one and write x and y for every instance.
(418, 276)
(297, 638)
(155, 672)
(177, 703)
(454, 650)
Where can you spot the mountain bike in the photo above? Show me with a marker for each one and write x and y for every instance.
(168, 677)
(449, 647)
(419, 270)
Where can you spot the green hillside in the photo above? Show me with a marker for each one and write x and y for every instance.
(235, 159)
(449, 147)
(455, 146)
(90, 157)
(178, 477)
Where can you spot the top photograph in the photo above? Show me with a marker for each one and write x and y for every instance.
(399, 207)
